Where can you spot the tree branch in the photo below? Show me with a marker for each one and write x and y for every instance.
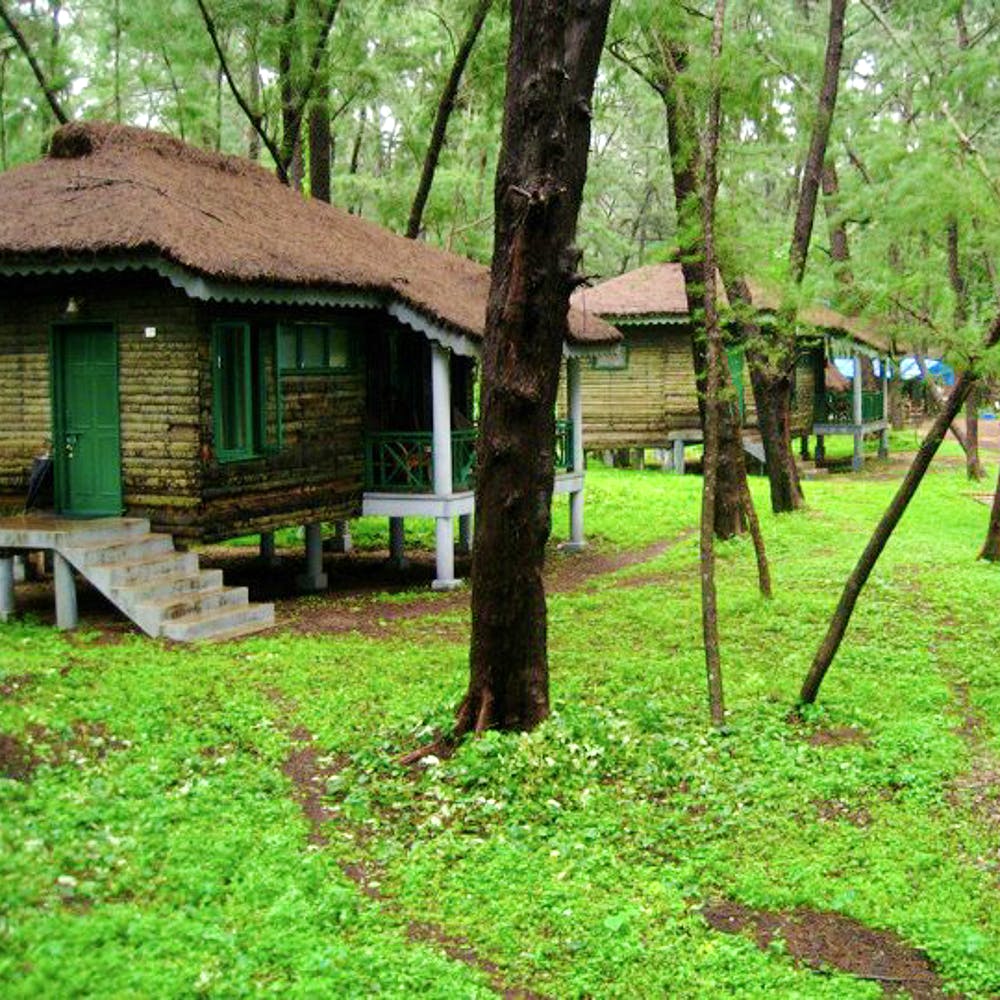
(43, 82)
(254, 117)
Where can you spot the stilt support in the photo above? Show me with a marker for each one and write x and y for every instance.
(314, 579)
(65, 585)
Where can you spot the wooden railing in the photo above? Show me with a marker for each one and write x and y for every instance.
(838, 407)
(402, 461)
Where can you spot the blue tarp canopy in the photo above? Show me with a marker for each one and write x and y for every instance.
(936, 368)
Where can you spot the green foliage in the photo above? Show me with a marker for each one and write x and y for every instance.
(159, 849)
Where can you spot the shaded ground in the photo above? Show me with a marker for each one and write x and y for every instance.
(834, 941)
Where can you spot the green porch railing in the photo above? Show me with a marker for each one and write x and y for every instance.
(402, 461)
(838, 407)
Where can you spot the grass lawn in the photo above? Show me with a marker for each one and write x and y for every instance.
(230, 820)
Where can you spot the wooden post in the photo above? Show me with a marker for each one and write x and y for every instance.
(65, 586)
(679, 457)
(883, 443)
(397, 543)
(6, 586)
(268, 556)
(859, 458)
(465, 534)
(314, 579)
(444, 539)
(341, 541)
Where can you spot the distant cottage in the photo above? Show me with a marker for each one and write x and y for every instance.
(644, 395)
(201, 346)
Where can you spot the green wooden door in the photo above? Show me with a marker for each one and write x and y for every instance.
(735, 357)
(87, 445)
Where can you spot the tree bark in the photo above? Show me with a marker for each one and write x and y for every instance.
(552, 63)
(445, 107)
(883, 531)
(840, 251)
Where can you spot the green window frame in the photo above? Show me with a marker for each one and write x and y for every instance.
(247, 399)
(316, 349)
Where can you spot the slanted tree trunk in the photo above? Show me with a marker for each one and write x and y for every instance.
(43, 79)
(445, 107)
(991, 547)
(552, 63)
(883, 531)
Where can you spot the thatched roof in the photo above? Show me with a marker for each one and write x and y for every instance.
(654, 292)
(821, 317)
(112, 192)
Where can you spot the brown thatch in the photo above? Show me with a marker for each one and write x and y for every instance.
(650, 292)
(111, 191)
(769, 299)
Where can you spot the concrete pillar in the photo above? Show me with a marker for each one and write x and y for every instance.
(574, 410)
(858, 460)
(465, 534)
(820, 452)
(883, 441)
(6, 586)
(397, 543)
(65, 585)
(268, 556)
(20, 569)
(679, 457)
(314, 579)
(665, 458)
(341, 541)
(444, 539)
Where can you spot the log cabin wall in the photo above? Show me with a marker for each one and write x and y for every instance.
(157, 379)
(804, 399)
(317, 474)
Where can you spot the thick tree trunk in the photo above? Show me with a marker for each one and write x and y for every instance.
(840, 251)
(319, 149)
(772, 392)
(883, 531)
(445, 107)
(552, 63)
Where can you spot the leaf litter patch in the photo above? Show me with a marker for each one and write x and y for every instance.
(832, 941)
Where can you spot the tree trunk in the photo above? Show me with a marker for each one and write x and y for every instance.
(883, 531)
(319, 149)
(773, 370)
(445, 107)
(552, 63)
(991, 547)
(714, 353)
(840, 251)
(682, 139)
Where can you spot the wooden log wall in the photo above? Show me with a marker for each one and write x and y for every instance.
(317, 475)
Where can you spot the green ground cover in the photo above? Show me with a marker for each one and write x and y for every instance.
(155, 846)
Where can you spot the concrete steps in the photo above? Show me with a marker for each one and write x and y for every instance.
(164, 592)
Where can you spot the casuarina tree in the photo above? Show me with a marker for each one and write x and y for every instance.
(555, 48)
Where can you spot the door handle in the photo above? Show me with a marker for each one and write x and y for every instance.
(70, 444)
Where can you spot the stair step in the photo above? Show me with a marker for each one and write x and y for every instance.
(122, 574)
(157, 588)
(221, 622)
(193, 603)
(105, 530)
(128, 549)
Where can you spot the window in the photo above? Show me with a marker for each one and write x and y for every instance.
(611, 361)
(247, 391)
(316, 348)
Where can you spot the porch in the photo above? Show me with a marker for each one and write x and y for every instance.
(431, 473)
(857, 411)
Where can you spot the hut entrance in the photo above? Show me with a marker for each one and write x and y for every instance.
(86, 423)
